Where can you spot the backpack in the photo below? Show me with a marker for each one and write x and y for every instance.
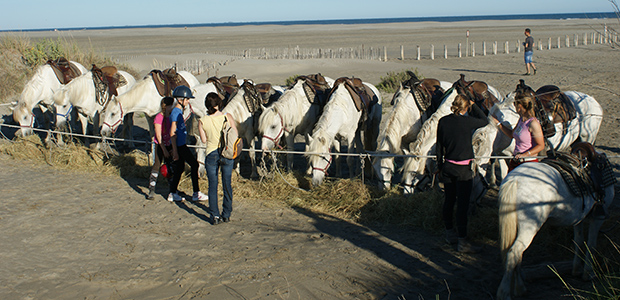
(231, 144)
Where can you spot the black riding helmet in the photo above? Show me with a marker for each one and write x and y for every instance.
(182, 92)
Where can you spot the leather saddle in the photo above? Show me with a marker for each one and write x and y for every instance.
(316, 88)
(362, 96)
(552, 106)
(267, 92)
(478, 91)
(166, 80)
(559, 107)
(426, 92)
(65, 70)
(584, 170)
(107, 80)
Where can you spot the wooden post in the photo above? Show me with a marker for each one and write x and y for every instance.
(549, 45)
(432, 52)
(473, 49)
(495, 48)
(417, 52)
(559, 46)
(518, 46)
(576, 40)
(567, 41)
(402, 52)
(445, 51)
(384, 53)
(506, 48)
(484, 48)
(460, 53)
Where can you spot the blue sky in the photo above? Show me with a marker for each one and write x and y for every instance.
(39, 14)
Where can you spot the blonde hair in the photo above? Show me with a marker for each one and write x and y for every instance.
(527, 102)
(460, 104)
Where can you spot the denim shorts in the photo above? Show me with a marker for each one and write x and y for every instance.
(528, 56)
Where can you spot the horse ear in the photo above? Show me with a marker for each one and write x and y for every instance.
(322, 140)
(310, 138)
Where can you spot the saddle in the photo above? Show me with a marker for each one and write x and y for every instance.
(478, 91)
(267, 93)
(362, 96)
(107, 80)
(559, 107)
(65, 70)
(426, 92)
(585, 171)
(166, 80)
(316, 88)
(225, 86)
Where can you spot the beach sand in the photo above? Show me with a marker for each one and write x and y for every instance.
(70, 235)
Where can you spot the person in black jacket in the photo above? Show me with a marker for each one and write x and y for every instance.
(454, 159)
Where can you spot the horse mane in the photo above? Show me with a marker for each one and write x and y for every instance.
(320, 141)
(268, 114)
(390, 138)
(34, 85)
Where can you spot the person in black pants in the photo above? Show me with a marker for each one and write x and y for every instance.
(180, 152)
(454, 159)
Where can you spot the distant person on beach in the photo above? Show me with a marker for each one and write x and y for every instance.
(180, 152)
(162, 142)
(210, 127)
(529, 52)
(454, 159)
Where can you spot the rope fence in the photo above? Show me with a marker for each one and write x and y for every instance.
(361, 155)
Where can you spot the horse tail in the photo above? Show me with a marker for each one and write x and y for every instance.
(507, 216)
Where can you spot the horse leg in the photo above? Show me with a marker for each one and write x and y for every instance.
(290, 146)
(595, 227)
(579, 249)
(84, 122)
(128, 130)
(512, 282)
(253, 158)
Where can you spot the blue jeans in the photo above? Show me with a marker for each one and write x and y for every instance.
(528, 56)
(213, 163)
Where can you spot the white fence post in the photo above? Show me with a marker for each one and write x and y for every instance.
(484, 48)
(445, 51)
(417, 52)
(495, 48)
(549, 45)
(473, 49)
(567, 41)
(460, 53)
(402, 52)
(518, 46)
(559, 46)
(432, 52)
(506, 45)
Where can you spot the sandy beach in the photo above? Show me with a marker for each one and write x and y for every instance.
(68, 235)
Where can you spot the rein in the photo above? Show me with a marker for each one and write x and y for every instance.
(114, 126)
(276, 140)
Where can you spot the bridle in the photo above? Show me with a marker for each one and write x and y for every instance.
(65, 115)
(329, 163)
(114, 126)
(276, 139)
(31, 125)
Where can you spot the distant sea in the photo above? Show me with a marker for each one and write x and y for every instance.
(592, 15)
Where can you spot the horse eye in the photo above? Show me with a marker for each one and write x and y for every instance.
(273, 126)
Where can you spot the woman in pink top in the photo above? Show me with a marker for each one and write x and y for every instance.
(162, 140)
(528, 133)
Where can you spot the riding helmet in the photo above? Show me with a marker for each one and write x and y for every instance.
(182, 92)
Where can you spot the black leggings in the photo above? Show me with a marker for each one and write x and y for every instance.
(457, 192)
(185, 156)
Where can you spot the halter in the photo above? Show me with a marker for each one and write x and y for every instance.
(329, 163)
(114, 126)
(276, 140)
(67, 113)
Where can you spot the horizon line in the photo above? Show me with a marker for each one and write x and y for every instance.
(344, 21)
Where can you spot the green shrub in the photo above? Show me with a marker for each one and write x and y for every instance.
(291, 80)
(43, 51)
(390, 83)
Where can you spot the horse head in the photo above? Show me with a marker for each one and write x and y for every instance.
(384, 169)
(112, 117)
(319, 156)
(271, 125)
(23, 115)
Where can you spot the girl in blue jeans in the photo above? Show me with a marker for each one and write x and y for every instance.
(210, 127)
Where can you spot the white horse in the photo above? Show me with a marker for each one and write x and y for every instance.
(291, 115)
(424, 145)
(529, 196)
(80, 95)
(38, 91)
(402, 127)
(143, 97)
(489, 140)
(339, 122)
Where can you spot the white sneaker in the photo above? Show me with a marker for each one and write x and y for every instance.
(199, 196)
(175, 197)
